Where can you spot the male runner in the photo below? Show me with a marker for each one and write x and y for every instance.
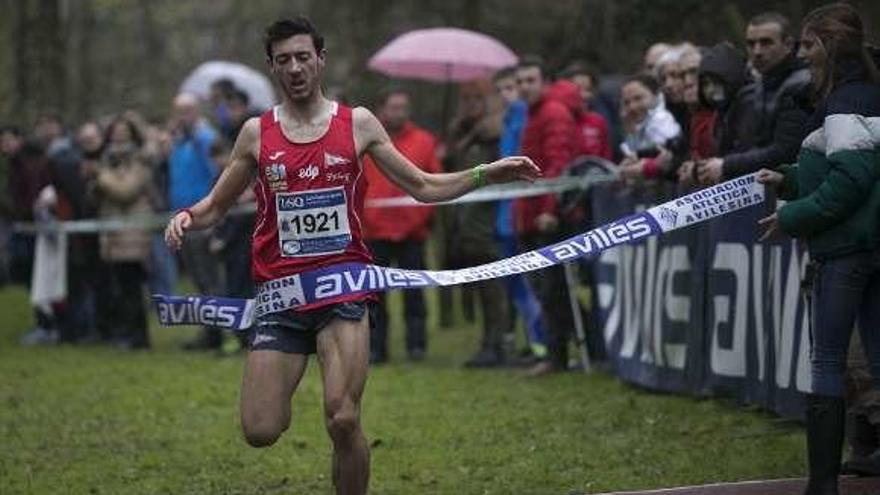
(307, 151)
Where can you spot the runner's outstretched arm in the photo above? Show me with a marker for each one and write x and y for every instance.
(426, 187)
(232, 182)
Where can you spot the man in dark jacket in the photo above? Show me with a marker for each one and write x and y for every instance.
(549, 139)
(778, 102)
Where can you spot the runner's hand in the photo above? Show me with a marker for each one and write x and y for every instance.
(511, 169)
(177, 227)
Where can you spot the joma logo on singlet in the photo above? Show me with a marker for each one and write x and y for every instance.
(309, 172)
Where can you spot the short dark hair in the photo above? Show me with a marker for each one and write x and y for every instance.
(645, 80)
(580, 69)
(529, 61)
(225, 86)
(504, 73)
(773, 18)
(288, 28)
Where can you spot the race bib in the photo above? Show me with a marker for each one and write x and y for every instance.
(312, 223)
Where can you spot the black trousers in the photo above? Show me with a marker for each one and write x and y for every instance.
(404, 254)
(552, 291)
(127, 308)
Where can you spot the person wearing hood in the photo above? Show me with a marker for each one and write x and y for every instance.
(723, 89)
(592, 130)
(779, 108)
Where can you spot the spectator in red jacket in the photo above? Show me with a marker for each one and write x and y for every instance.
(397, 235)
(550, 140)
(593, 133)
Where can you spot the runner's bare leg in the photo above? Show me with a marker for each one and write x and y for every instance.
(270, 379)
(344, 350)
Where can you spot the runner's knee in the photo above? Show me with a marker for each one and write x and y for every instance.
(260, 431)
(342, 419)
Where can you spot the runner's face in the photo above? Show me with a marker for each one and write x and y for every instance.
(297, 66)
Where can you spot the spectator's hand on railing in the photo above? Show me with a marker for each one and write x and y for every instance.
(711, 171)
(686, 173)
(772, 224)
(546, 223)
(177, 227)
(631, 167)
(770, 178)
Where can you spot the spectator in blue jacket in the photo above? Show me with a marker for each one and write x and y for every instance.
(191, 174)
(524, 299)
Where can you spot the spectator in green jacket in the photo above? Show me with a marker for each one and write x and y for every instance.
(834, 206)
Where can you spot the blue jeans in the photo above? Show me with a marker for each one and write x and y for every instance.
(845, 290)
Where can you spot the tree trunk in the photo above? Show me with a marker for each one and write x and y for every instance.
(51, 59)
(22, 59)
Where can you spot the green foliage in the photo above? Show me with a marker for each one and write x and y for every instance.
(93, 420)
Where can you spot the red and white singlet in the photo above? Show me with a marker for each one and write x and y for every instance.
(310, 199)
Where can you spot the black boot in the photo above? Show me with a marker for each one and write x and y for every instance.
(825, 420)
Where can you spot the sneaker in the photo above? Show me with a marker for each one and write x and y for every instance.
(39, 336)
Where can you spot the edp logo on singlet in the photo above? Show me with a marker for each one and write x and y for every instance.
(309, 172)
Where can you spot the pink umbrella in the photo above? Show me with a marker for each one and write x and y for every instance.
(442, 55)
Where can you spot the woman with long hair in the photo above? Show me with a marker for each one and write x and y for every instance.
(122, 186)
(834, 206)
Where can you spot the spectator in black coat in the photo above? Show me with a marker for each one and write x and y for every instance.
(779, 97)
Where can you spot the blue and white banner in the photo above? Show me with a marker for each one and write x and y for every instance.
(704, 311)
(356, 278)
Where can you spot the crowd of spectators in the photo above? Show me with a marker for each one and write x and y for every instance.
(693, 115)
(121, 166)
(696, 115)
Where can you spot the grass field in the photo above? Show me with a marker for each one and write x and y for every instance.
(94, 420)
